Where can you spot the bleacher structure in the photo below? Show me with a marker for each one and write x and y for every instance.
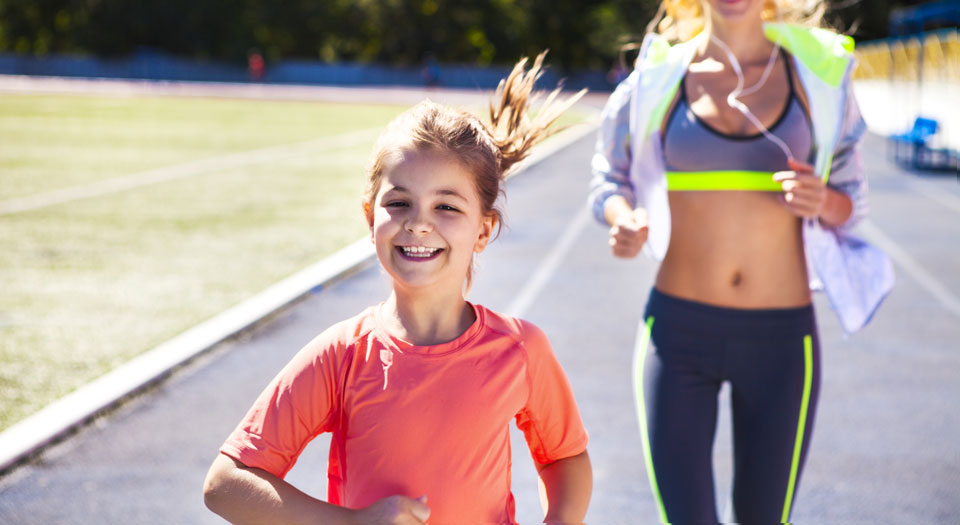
(912, 59)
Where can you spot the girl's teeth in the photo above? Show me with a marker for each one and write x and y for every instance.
(418, 251)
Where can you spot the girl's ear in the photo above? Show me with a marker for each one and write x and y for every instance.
(486, 232)
(368, 214)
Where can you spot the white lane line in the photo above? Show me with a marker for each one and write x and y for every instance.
(522, 301)
(542, 274)
(187, 169)
(910, 265)
(947, 199)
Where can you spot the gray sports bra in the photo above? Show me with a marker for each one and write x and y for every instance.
(699, 157)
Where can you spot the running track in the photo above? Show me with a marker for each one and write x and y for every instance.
(885, 447)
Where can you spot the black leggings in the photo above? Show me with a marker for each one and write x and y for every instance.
(685, 351)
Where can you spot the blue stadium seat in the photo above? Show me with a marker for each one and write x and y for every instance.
(912, 148)
(923, 129)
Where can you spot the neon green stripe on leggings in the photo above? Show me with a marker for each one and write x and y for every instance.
(639, 360)
(801, 424)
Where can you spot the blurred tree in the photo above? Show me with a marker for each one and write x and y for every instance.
(579, 33)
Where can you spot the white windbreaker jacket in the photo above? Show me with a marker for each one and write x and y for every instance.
(629, 161)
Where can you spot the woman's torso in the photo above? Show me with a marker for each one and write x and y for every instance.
(740, 249)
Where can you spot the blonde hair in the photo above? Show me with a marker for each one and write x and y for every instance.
(488, 150)
(681, 20)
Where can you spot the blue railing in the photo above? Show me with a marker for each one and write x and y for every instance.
(154, 66)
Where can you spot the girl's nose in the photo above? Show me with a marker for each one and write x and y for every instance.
(419, 222)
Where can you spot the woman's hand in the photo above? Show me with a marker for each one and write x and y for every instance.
(804, 193)
(628, 233)
(395, 509)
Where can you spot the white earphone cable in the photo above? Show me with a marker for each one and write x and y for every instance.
(733, 99)
(734, 102)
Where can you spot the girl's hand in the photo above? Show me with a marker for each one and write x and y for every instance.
(804, 193)
(395, 509)
(629, 233)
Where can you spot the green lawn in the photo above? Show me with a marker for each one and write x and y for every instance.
(50, 142)
(87, 285)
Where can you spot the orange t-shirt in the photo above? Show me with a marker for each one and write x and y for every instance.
(417, 420)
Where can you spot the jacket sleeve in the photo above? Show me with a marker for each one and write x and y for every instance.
(846, 170)
(610, 165)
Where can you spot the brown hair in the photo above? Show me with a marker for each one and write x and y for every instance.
(487, 150)
(681, 20)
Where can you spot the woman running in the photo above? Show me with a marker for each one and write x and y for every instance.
(731, 154)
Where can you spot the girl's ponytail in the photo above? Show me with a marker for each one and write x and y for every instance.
(513, 131)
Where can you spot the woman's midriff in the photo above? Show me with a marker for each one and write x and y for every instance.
(738, 249)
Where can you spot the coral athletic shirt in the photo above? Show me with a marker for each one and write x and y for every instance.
(417, 420)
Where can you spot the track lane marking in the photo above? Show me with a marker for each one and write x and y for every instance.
(911, 266)
(535, 284)
(930, 191)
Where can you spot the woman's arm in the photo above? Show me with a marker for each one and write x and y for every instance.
(806, 195)
(241, 494)
(837, 208)
(628, 226)
(565, 487)
(610, 164)
(612, 195)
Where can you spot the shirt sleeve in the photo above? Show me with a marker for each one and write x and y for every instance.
(610, 166)
(301, 402)
(550, 420)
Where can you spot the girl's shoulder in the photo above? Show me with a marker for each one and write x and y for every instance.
(521, 330)
(343, 335)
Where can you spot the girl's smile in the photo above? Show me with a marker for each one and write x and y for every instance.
(419, 253)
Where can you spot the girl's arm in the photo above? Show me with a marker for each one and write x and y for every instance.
(241, 494)
(565, 487)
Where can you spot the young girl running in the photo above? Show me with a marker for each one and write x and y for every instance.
(418, 391)
(731, 153)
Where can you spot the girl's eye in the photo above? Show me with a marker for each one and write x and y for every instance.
(395, 204)
(446, 207)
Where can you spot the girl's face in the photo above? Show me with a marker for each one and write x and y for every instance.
(428, 222)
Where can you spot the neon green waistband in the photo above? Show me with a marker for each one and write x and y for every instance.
(722, 180)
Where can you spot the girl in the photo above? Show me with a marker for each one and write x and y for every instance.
(418, 391)
(732, 156)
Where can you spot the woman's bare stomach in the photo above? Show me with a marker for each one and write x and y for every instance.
(738, 249)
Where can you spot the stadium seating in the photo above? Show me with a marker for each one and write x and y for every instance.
(914, 148)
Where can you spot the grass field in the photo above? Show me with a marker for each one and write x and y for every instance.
(89, 283)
